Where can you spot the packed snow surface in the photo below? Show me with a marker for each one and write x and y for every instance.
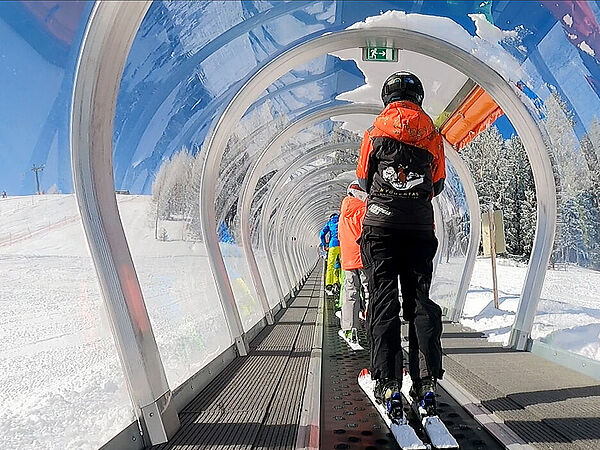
(62, 383)
(568, 315)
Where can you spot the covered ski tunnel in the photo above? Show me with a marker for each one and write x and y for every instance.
(166, 168)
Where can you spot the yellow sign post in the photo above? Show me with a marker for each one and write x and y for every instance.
(494, 242)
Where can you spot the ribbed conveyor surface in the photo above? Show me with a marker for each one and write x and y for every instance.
(546, 405)
(348, 418)
(255, 402)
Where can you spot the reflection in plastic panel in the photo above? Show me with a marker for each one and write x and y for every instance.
(62, 383)
(453, 246)
(179, 291)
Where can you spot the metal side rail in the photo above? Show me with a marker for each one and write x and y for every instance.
(256, 401)
(348, 418)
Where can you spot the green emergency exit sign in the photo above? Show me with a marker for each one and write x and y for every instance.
(384, 54)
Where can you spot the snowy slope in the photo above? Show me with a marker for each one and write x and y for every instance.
(568, 315)
(61, 378)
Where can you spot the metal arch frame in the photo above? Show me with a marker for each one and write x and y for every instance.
(312, 216)
(293, 227)
(285, 200)
(453, 157)
(257, 131)
(278, 182)
(281, 242)
(312, 234)
(283, 177)
(283, 217)
(276, 236)
(499, 89)
(279, 232)
(305, 120)
(302, 221)
(278, 247)
(278, 217)
(475, 228)
(108, 37)
(316, 210)
(91, 121)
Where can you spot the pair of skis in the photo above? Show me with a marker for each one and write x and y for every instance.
(403, 432)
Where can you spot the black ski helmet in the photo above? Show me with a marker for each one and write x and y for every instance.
(402, 86)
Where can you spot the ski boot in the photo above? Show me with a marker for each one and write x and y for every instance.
(423, 391)
(387, 392)
(336, 289)
(352, 336)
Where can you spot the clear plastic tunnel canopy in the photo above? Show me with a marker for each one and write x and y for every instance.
(186, 64)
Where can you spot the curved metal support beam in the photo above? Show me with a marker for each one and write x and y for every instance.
(309, 215)
(300, 227)
(498, 88)
(110, 32)
(288, 276)
(475, 229)
(439, 233)
(281, 213)
(307, 229)
(309, 220)
(291, 223)
(253, 175)
(277, 183)
(280, 231)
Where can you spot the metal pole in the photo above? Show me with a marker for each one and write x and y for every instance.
(36, 169)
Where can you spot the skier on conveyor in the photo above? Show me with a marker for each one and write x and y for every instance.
(401, 166)
(331, 244)
(352, 212)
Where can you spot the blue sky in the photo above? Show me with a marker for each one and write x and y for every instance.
(36, 75)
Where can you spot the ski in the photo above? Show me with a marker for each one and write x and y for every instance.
(401, 430)
(433, 426)
(354, 345)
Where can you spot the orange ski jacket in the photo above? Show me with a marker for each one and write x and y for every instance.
(352, 213)
(402, 167)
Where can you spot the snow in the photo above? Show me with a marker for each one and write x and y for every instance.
(568, 315)
(62, 383)
(490, 32)
(433, 74)
(586, 48)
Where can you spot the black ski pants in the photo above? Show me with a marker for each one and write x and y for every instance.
(388, 254)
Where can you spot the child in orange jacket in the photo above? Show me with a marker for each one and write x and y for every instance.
(352, 212)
